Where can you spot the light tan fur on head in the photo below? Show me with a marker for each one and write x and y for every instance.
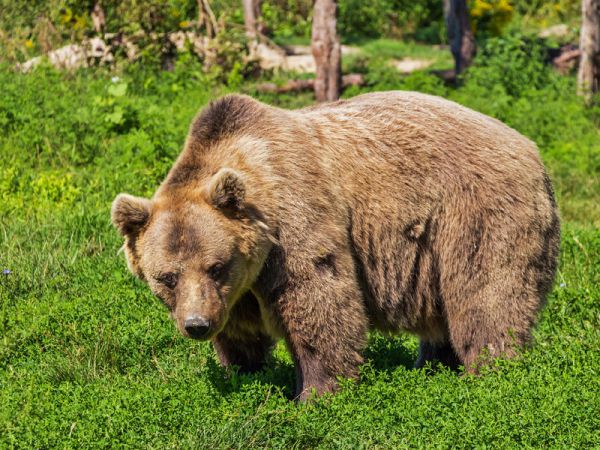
(199, 263)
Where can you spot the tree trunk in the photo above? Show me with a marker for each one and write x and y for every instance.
(326, 50)
(588, 78)
(98, 17)
(460, 34)
(252, 18)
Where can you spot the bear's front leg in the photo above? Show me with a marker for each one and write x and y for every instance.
(325, 325)
(248, 352)
(244, 342)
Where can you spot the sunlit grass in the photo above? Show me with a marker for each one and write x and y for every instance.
(89, 358)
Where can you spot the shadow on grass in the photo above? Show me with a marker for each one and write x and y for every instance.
(385, 355)
(230, 380)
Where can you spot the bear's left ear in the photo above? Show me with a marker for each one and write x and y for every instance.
(129, 214)
(226, 190)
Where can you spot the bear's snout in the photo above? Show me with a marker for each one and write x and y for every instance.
(197, 327)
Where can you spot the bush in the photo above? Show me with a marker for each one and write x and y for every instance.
(391, 18)
(289, 18)
(515, 63)
(490, 16)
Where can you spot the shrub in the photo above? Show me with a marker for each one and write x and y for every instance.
(515, 63)
(490, 16)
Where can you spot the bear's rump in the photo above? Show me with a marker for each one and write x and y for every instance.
(411, 270)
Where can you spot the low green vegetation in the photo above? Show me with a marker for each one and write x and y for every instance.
(89, 358)
(389, 51)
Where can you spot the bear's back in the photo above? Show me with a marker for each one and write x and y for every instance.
(410, 144)
(428, 122)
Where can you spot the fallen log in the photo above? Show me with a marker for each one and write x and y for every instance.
(567, 60)
(352, 79)
(74, 56)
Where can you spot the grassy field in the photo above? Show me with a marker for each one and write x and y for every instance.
(89, 359)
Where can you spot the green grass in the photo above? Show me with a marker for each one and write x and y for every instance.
(89, 358)
(395, 49)
(292, 40)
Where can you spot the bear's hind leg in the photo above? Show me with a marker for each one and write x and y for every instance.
(492, 327)
(441, 352)
(497, 269)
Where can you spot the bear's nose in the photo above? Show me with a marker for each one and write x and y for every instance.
(197, 327)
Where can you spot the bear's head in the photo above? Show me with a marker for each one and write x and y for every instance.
(199, 250)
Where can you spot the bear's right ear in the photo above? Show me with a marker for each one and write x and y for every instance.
(129, 214)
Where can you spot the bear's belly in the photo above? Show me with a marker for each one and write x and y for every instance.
(399, 277)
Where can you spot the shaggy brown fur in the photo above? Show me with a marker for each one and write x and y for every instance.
(395, 211)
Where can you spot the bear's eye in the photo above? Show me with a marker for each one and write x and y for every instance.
(168, 279)
(216, 271)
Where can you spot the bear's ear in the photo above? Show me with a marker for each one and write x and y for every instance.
(129, 214)
(226, 190)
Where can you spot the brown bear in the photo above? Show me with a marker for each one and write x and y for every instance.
(394, 211)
